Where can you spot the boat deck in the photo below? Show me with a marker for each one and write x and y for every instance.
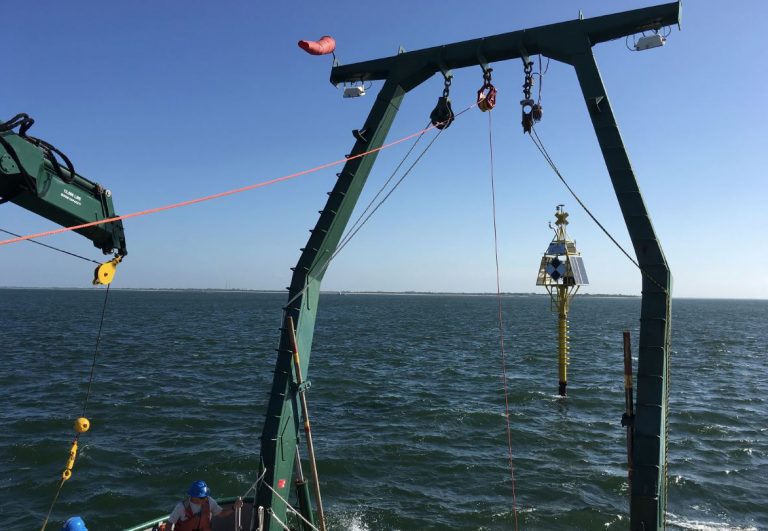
(219, 524)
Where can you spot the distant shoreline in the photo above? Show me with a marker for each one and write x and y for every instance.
(335, 292)
(386, 293)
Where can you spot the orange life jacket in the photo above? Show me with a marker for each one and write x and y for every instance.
(195, 522)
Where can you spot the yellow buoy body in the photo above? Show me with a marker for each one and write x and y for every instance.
(82, 425)
(562, 341)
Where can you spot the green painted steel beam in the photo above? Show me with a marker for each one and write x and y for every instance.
(281, 427)
(571, 43)
(648, 489)
(547, 40)
(57, 195)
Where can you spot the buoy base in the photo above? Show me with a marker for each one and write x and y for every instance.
(561, 390)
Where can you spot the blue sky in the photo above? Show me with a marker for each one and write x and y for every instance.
(167, 101)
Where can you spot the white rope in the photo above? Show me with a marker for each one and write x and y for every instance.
(255, 484)
(288, 505)
(272, 514)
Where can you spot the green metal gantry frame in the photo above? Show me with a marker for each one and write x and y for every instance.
(568, 42)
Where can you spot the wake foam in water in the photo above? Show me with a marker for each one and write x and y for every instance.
(676, 522)
(352, 522)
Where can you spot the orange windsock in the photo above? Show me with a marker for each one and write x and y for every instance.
(325, 45)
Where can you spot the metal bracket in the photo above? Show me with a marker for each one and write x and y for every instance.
(359, 134)
(335, 64)
(481, 60)
(594, 103)
(447, 73)
(524, 56)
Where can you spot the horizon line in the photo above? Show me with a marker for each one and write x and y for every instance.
(371, 292)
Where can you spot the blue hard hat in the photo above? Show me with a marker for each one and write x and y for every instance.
(199, 489)
(74, 524)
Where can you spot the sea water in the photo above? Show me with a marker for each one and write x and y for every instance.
(407, 403)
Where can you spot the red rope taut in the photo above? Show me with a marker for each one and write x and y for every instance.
(213, 196)
(501, 323)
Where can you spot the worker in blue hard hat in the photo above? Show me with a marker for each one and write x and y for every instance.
(74, 524)
(195, 512)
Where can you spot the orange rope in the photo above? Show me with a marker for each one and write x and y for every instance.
(213, 196)
(501, 322)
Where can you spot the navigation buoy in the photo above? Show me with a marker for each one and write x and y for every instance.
(562, 272)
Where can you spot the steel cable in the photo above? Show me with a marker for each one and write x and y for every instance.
(357, 225)
(52, 247)
(85, 401)
(540, 146)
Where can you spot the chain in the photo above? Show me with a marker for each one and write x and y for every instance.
(486, 96)
(527, 103)
(528, 84)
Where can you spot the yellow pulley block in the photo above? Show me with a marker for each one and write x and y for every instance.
(106, 271)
